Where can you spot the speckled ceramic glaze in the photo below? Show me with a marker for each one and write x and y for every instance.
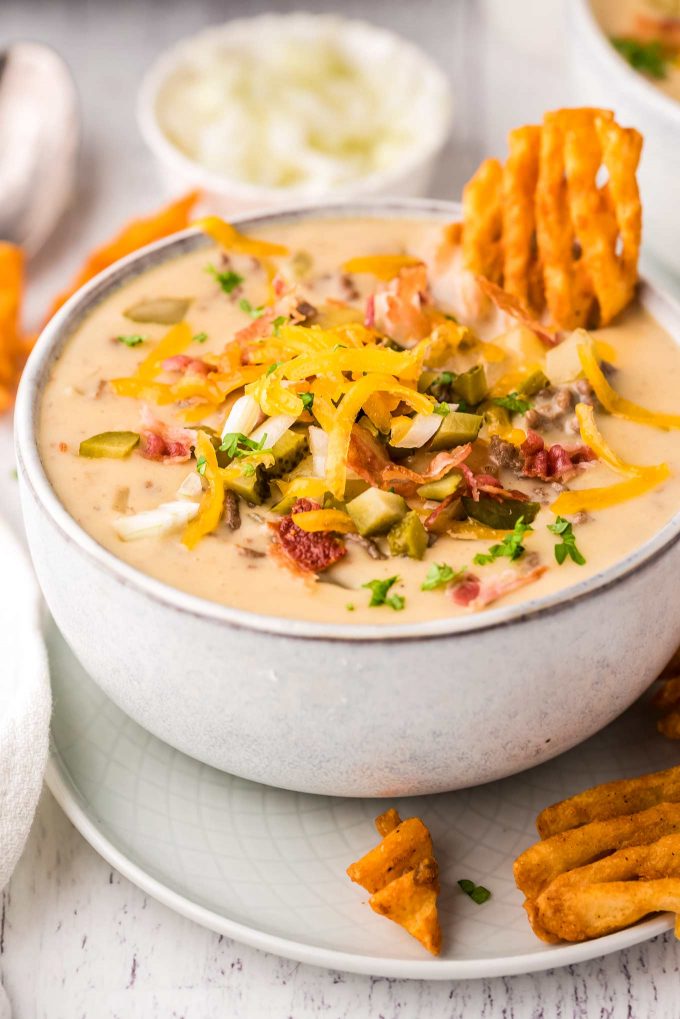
(341, 709)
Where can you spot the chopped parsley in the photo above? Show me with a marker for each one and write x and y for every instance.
(245, 305)
(510, 547)
(248, 470)
(307, 400)
(272, 367)
(647, 57)
(380, 594)
(199, 337)
(349, 606)
(228, 280)
(445, 379)
(513, 402)
(478, 893)
(439, 575)
(132, 340)
(237, 444)
(201, 465)
(279, 321)
(567, 547)
(442, 408)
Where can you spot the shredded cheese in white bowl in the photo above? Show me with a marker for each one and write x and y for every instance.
(280, 107)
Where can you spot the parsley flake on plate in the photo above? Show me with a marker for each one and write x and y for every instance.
(307, 400)
(199, 337)
(279, 321)
(132, 340)
(228, 280)
(478, 893)
(442, 408)
(513, 402)
(567, 547)
(380, 594)
(510, 547)
(201, 465)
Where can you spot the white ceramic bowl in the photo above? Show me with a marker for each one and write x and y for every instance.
(409, 176)
(601, 77)
(339, 708)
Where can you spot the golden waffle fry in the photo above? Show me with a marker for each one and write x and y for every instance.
(560, 238)
(411, 900)
(544, 861)
(522, 276)
(612, 799)
(401, 874)
(482, 217)
(610, 893)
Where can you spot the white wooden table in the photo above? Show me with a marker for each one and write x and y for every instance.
(77, 940)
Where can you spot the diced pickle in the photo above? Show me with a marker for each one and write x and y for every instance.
(494, 415)
(471, 386)
(441, 489)
(111, 444)
(374, 511)
(254, 488)
(456, 429)
(501, 515)
(165, 311)
(408, 537)
(426, 379)
(288, 451)
(533, 383)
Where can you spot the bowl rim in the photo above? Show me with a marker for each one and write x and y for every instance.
(32, 473)
(168, 60)
(633, 82)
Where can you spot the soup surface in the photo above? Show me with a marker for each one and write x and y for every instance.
(647, 34)
(492, 375)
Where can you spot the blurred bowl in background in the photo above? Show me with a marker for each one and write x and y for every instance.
(280, 108)
(601, 77)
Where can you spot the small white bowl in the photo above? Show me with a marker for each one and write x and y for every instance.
(410, 174)
(601, 77)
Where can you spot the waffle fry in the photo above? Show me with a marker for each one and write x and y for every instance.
(610, 800)
(609, 894)
(483, 221)
(402, 876)
(559, 240)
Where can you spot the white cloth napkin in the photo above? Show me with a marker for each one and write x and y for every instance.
(24, 706)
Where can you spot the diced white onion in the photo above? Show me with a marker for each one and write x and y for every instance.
(422, 429)
(318, 446)
(273, 428)
(243, 416)
(191, 487)
(169, 516)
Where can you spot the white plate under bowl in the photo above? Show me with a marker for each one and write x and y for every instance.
(267, 867)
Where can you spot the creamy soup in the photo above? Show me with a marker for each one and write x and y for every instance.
(647, 34)
(509, 412)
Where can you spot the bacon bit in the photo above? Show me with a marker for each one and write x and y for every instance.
(509, 304)
(279, 285)
(310, 551)
(552, 462)
(430, 522)
(256, 329)
(369, 313)
(466, 590)
(366, 456)
(489, 591)
(159, 441)
(399, 307)
(187, 365)
(406, 480)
